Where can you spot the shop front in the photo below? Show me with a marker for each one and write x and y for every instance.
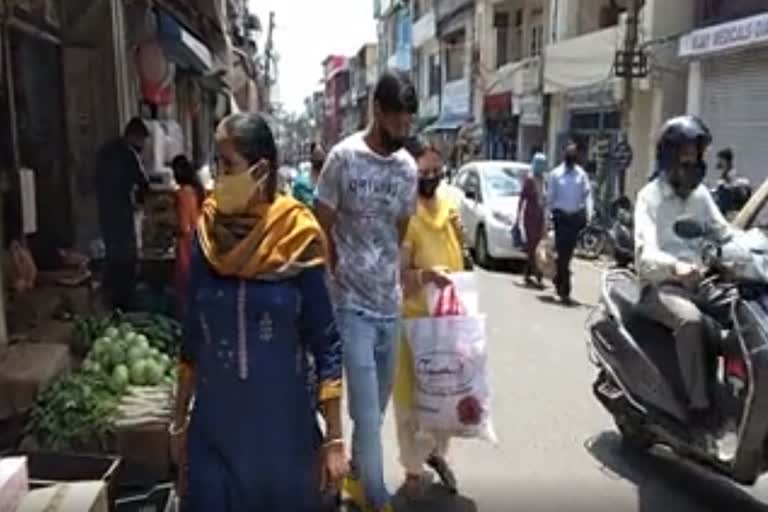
(501, 127)
(728, 88)
(455, 114)
(593, 122)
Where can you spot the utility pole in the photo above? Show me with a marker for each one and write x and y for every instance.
(633, 61)
(268, 56)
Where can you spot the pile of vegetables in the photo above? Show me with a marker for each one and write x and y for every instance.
(125, 351)
(74, 413)
(128, 359)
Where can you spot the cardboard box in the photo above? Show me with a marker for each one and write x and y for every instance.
(74, 497)
(14, 483)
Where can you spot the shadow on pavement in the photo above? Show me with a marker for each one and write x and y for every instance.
(551, 299)
(438, 499)
(660, 477)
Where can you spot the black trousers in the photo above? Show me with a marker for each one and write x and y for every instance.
(121, 264)
(567, 229)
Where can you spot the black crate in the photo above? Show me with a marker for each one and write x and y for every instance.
(160, 499)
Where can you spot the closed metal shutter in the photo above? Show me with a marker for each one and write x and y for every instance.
(735, 106)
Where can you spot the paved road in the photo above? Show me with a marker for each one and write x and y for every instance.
(558, 450)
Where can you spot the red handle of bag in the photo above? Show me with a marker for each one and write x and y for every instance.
(448, 303)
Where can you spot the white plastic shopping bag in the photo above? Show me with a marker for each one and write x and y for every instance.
(450, 365)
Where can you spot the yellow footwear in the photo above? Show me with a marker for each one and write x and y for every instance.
(353, 491)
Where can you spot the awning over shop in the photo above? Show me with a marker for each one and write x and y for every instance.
(181, 46)
(448, 121)
(423, 122)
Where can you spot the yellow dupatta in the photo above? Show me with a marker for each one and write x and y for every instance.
(272, 241)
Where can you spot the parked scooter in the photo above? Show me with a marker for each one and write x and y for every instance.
(639, 380)
(610, 230)
(622, 233)
(731, 197)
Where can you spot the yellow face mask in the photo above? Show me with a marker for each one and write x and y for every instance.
(234, 193)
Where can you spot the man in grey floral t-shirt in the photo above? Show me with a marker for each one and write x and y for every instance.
(365, 197)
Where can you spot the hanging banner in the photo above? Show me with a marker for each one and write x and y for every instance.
(156, 74)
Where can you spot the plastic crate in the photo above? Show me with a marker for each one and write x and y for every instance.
(160, 499)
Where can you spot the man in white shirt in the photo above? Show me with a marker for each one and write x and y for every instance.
(669, 267)
(569, 197)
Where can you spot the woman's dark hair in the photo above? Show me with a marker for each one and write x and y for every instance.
(418, 147)
(253, 139)
(394, 92)
(185, 174)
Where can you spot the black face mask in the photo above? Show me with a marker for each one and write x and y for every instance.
(428, 186)
(686, 179)
(317, 165)
(570, 160)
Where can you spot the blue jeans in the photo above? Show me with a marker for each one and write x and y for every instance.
(370, 353)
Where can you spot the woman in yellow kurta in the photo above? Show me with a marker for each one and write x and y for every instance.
(432, 249)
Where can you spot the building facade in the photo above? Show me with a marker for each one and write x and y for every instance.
(727, 57)
(336, 78)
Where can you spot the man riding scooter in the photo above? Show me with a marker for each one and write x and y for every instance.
(671, 269)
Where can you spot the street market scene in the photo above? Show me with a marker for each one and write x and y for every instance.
(383, 255)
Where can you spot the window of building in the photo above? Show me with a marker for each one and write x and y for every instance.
(420, 8)
(501, 24)
(518, 36)
(434, 74)
(455, 56)
(536, 33)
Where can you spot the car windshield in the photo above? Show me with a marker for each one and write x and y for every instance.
(503, 181)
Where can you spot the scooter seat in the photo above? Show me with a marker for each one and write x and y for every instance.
(650, 337)
(625, 295)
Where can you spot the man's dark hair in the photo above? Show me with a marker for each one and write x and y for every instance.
(394, 92)
(136, 128)
(726, 154)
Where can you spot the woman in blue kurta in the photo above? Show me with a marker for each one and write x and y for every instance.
(258, 305)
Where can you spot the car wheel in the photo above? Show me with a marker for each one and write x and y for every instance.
(482, 255)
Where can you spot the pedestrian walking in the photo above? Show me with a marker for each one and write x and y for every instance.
(531, 212)
(189, 199)
(570, 197)
(431, 250)
(365, 198)
(258, 303)
(120, 186)
(305, 186)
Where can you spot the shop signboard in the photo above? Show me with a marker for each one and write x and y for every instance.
(532, 110)
(590, 97)
(726, 36)
(456, 98)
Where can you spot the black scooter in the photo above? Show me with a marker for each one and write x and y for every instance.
(622, 236)
(639, 380)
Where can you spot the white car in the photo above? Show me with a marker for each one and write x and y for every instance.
(488, 193)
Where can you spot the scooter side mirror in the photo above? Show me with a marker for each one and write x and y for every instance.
(689, 228)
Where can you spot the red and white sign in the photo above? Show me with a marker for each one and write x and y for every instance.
(156, 74)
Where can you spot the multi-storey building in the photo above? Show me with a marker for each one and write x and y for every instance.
(586, 96)
(336, 80)
(512, 35)
(363, 82)
(727, 54)
(427, 70)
